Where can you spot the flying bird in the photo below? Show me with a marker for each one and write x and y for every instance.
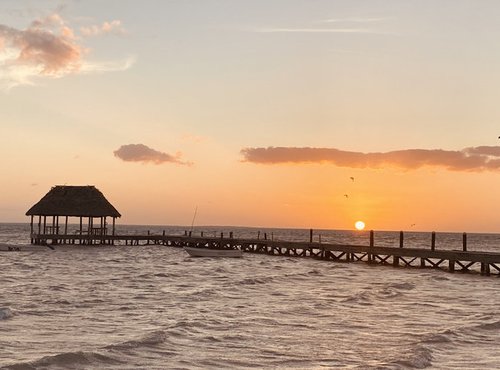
(352, 178)
(346, 195)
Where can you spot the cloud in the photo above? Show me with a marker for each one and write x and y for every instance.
(113, 27)
(48, 48)
(355, 20)
(142, 153)
(482, 158)
(189, 138)
(349, 25)
(314, 30)
(40, 48)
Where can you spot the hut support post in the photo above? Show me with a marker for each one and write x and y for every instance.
(90, 230)
(81, 228)
(65, 228)
(114, 224)
(44, 225)
(31, 230)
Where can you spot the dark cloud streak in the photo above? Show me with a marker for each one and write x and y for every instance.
(482, 158)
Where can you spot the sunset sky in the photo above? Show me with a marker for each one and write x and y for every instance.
(277, 113)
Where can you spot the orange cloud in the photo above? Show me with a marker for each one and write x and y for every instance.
(480, 158)
(145, 154)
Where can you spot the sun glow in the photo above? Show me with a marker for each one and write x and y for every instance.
(360, 225)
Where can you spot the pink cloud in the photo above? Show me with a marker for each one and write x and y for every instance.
(145, 154)
(48, 48)
(470, 159)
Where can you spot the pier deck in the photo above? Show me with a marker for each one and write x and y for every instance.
(450, 260)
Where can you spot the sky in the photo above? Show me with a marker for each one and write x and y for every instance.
(265, 113)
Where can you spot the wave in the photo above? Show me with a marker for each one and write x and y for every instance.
(402, 286)
(5, 313)
(370, 297)
(495, 325)
(419, 358)
(442, 337)
(68, 360)
(110, 356)
(149, 340)
(254, 281)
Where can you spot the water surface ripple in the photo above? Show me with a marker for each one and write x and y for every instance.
(153, 307)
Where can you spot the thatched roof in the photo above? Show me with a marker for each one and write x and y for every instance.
(76, 201)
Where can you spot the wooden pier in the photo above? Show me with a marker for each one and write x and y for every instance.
(486, 263)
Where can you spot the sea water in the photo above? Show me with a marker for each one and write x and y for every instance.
(153, 307)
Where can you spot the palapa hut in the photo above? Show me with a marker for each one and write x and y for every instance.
(84, 202)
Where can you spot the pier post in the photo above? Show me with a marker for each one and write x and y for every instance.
(401, 239)
(265, 236)
(433, 241)
(310, 235)
(372, 243)
(395, 261)
(258, 235)
(201, 234)
(190, 233)
(487, 269)
(221, 235)
(231, 234)
(451, 266)
(464, 240)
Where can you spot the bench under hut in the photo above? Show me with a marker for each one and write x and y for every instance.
(83, 202)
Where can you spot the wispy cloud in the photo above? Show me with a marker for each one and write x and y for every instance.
(114, 27)
(47, 48)
(482, 158)
(348, 25)
(145, 154)
(314, 30)
(190, 138)
(355, 20)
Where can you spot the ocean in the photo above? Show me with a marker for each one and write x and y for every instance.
(153, 307)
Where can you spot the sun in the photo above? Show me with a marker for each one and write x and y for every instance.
(359, 225)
